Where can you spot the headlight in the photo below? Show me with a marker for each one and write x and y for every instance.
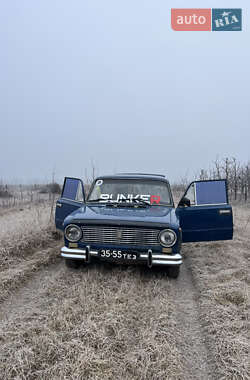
(167, 238)
(73, 233)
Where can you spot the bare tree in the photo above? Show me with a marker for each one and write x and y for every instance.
(236, 173)
(217, 165)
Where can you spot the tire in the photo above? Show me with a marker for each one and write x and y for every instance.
(73, 264)
(173, 271)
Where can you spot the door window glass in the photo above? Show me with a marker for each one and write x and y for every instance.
(79, 193)
(73, 189)
(211, 192)
(190, 194)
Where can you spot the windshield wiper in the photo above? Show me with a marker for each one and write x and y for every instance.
(130, 202)
(110, 202)
(98, 200)
(139, 200)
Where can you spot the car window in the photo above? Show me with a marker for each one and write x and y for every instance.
(73, 189)
(211, 192)
(207, 192)
(190, 194)
(114, 190)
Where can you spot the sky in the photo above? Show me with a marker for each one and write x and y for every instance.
(109, 84)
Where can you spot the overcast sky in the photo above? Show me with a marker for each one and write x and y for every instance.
(110, 82)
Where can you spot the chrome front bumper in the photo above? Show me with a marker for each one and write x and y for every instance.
(148, 257)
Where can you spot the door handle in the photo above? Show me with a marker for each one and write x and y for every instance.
(224, 212)
(58, 205)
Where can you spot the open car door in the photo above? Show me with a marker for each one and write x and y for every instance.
(204, 212)
(72, 198)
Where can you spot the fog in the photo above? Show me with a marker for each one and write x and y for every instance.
(110, 84)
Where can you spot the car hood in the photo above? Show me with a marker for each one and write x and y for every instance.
(160, 216)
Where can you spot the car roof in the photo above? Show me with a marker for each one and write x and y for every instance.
(159, 177)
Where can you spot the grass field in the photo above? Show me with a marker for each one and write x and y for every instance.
(110, 322)
(221, 273)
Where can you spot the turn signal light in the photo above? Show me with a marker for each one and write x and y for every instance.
(167, 250)
(73, 245)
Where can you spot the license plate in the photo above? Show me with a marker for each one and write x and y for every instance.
(114, 254)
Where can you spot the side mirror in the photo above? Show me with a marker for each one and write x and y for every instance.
(184, 202)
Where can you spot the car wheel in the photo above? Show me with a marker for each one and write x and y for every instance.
(73, 264)
(173, 271)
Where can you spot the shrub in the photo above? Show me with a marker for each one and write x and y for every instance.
(53, 188)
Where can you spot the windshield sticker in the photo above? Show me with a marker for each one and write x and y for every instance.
(155, 199)
(130, 197)
(99, 182)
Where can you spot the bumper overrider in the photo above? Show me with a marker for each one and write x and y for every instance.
(148, 257)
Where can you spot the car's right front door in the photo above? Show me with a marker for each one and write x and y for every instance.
(207, 215)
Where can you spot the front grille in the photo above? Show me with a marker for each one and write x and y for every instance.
(119, 235)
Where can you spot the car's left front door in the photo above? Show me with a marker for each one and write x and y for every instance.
(72, 198)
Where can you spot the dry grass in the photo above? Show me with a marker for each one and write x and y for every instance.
(22, 231)
(99, 323)
(20, 198)
(221, 274)
(106, 322)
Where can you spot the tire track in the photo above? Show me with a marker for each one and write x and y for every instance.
(197, 359)
(35, 297)
(17, 275)
(31, 298)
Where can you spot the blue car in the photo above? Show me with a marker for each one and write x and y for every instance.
(131, 218)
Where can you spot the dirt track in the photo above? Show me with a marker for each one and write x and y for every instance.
(174, 314)
(196, 357)
(110, 322)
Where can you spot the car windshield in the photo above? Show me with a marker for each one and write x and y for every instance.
(153, 192)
